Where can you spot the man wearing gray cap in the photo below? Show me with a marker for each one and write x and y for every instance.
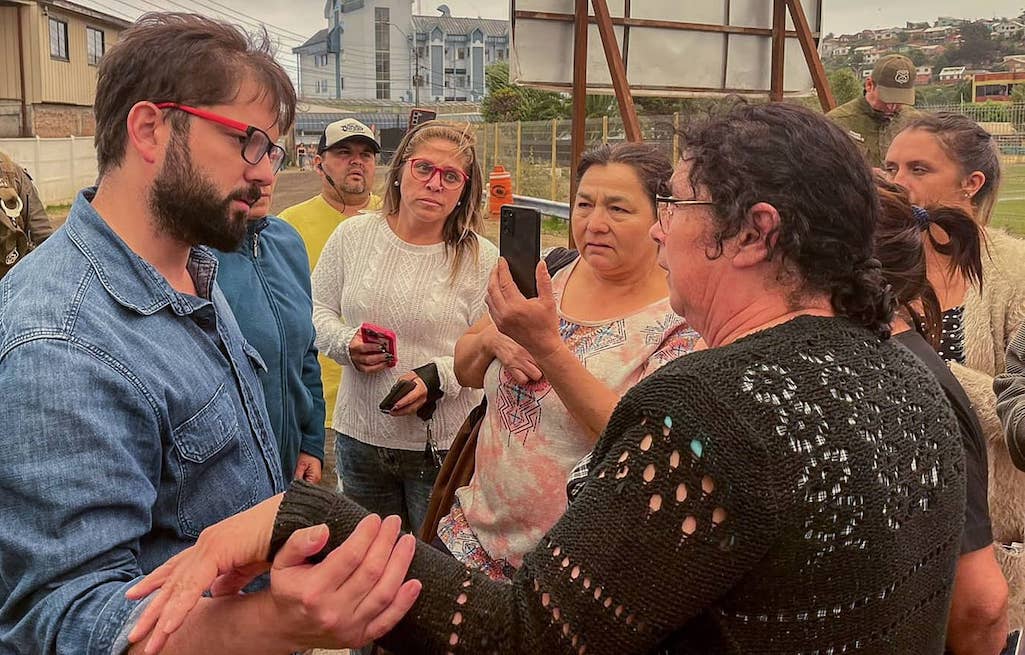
(346, 162)
(877, 116)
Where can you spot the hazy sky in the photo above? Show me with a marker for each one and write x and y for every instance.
(292, 21)
(305, 16)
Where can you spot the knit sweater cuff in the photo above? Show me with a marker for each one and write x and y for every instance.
(306, 505)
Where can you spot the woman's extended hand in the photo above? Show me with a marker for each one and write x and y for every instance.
(532, 323)
(368, 357)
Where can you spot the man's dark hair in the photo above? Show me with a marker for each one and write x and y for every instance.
(652, 167)
(809, 170)
(183, 58)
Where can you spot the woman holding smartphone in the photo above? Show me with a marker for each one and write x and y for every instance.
(392, 293)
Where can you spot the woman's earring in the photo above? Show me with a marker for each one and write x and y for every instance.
(396, 183)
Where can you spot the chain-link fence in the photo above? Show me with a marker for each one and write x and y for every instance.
(537, 154)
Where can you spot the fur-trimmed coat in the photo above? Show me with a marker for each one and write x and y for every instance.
(991, 319)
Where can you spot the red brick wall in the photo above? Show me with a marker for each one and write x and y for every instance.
(63, 120)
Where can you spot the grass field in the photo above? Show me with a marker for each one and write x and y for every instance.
(1010, 209)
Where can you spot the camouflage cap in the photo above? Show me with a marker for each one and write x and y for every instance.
(894, 77)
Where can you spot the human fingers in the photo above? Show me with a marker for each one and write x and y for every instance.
(301, 545)
(418, 393)
(384, 622)
(374, 562)
(383, 593)
(338, 566)
(235, 581)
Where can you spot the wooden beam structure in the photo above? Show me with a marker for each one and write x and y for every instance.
(779, 42)
(617, 69)
(577, 142)
(811, 55)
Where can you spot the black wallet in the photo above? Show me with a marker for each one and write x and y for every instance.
(400, 389)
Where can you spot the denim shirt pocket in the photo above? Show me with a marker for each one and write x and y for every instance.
(214, 466)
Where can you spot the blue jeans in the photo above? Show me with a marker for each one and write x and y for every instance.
(386, 480)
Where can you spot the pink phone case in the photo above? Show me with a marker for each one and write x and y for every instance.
(371, 333)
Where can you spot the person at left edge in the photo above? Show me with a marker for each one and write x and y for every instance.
(266, 281)
(139, 418)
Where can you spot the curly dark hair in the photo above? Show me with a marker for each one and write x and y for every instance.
(652, 167)
(900, 239)
(806, 167)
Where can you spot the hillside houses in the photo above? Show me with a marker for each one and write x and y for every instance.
(925, 44)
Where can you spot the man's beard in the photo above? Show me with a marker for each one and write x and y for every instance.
(356, 187)
(186, 205)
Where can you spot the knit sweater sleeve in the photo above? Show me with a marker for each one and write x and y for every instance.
(328, 278)
(686, 488)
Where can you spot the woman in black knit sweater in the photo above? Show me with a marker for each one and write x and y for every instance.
(798, 487)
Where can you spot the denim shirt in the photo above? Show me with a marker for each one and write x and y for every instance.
(132, 418)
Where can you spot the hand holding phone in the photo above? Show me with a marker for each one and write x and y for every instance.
(384, 338)
(397, 392)
(519, 242)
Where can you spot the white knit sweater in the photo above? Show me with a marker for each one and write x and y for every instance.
(366, 274)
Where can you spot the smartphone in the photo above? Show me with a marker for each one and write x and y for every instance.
(1013, 646)
(397, 392)
(371, 333)
(519, 241)
(418, 116)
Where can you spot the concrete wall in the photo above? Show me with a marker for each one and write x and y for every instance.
(60, 168)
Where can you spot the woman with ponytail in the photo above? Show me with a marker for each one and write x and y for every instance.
(949, 159)
(978, 609)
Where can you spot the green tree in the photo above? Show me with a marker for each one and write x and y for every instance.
(845, 85)
(505, 102)
(1018, 94)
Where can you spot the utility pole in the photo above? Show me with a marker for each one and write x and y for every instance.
(411, 40)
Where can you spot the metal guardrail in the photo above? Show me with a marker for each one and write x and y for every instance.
(546, 207)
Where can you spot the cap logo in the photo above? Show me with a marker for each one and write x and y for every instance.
(903, 76)
(351, 128)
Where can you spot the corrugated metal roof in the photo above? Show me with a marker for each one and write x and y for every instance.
(458, 25)
(314, 123)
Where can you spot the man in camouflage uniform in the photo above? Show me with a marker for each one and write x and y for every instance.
(23, 220)
(877, 116)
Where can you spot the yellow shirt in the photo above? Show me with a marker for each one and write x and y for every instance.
(315, 220)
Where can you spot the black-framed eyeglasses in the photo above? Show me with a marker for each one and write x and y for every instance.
(665, 206)
(256, 143)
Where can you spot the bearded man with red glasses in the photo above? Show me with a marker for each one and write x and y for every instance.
(133, 417)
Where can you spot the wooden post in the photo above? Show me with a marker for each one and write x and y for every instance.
(579, 95)
(779, 41)
(519, 163)
(811, 55)
(604, 129)
(676, 138)
(616, 68)
(496, 144)
(555, 157)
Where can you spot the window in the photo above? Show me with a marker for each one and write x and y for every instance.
(321, 86)
(94, 45)
(320, 60)
(382, 52)
(58, 39)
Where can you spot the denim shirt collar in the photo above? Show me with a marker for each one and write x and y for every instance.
(128, 278)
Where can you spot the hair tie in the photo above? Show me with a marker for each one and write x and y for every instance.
(921, 216)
